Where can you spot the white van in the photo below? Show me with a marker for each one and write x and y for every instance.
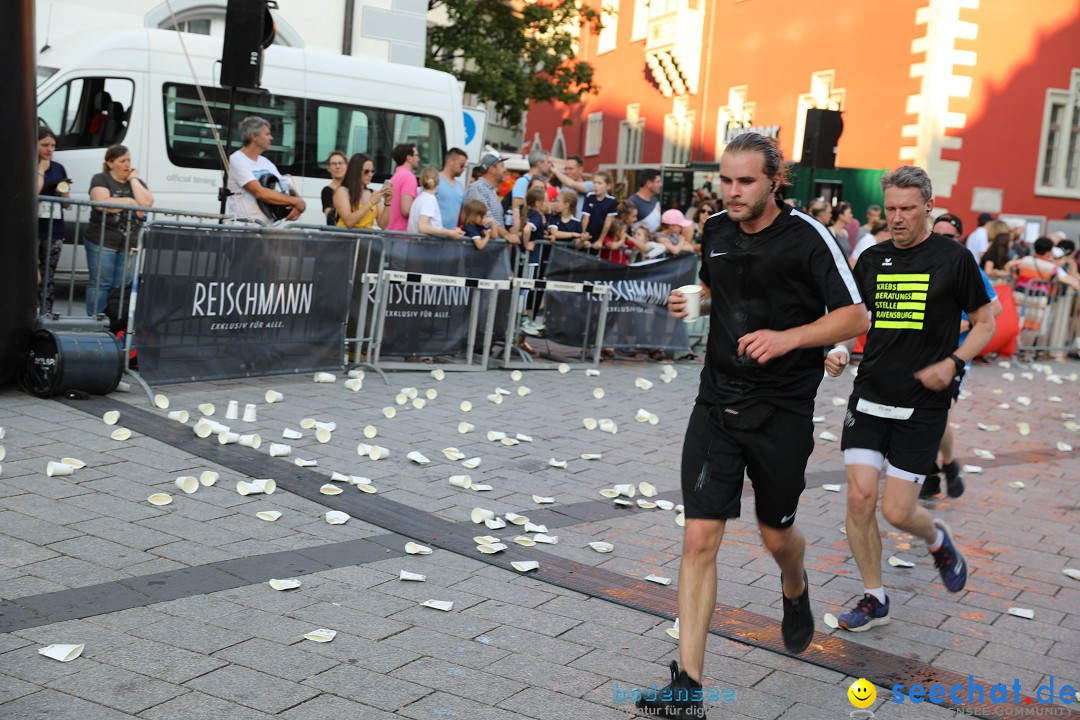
(135, 87)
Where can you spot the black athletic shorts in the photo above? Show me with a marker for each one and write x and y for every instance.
(722, 445)
(910, 446)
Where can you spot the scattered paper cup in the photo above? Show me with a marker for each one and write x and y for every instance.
(830, 621)
(206, 409)
(495, 523)
(515, 518)
(180, 416)
(325, 377)
(356, 373)
(354, 384)
(323, 435)
(290, 434)
(609, 493)
(280, 450)
(516, 376)
(228, 438)
(592, 372)
(522, 391)
(58, 469)
(73, 462)
(465, 406)
(546, 539)
(525, 565)
(330, 489)
(232, 412)
(302, 462)
(389, 412)
(480, 515)
(828, 436)
(524, 541)
(623, 502)
(378, 452)
(601, 547)
(417, 457)
(417, 549)
(273, 396)
(647, 489)
(438, 373)
(159, 499)
(471, 463)
(564, 368)
(642, 415)
(465, 427)
(608, 425)
(1064, 447)
(120, 434)
(444, 605)
(590, 423)
(561, 464)
(533, 527)
(431, 393)
(643, 384)
(692, 293)
(900, 562)
(161, 401)
(673, 632)
(253, 441)
(658, 579)
(453, 453)
(495, 398)
(523, 438)
(268, 515)
(336, 517)
(626, 489)
(485, 539)
(412, 577)
(322, 635)
(1022, 612)
(479, 487)
(495, 435)
(187, 483)
(251, 414)
(1072, 572)
(461, 481)
(665, 504)
(829, 487)
(541, 500)
(680, 519)
(491, 549)
(645, 504)
(289, 584)
(1017, 485)
(598, 393)
(419, 403)
(591, 456)
(62, 652)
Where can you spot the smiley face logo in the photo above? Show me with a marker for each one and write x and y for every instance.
(861, 694)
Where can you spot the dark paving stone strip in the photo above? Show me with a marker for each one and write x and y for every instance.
(77, 603)
(832, 652)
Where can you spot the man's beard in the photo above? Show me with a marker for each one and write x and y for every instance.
(749, 213)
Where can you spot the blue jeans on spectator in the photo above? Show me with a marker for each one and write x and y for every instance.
(104, 280)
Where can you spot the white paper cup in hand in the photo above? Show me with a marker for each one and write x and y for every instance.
(692, 293)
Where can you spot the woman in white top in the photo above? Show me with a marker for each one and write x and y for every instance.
(424, 215)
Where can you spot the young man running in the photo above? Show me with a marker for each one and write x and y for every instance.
(768, 273)
(915, 285)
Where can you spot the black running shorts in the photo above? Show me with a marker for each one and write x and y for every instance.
(722, 445)
(909, 445)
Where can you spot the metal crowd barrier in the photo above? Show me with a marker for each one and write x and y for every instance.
(390, 277)
(532, 288)
(1049, 320)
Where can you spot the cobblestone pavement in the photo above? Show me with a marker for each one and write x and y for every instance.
(207, 637)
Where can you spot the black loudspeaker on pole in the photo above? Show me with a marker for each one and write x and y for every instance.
(18, 270)
(820, 138)
(249, 29)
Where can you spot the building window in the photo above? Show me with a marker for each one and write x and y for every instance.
(607, 40)
(640, 27)
(678, 138)
(594, 131)
(631, 136)
(1058, 172)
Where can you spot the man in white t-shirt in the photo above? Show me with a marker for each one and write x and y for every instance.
(248, 167)
(978, 241)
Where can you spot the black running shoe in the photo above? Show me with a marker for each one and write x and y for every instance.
(797, 627)
(680, 699)
(954, 483)
(932, 485)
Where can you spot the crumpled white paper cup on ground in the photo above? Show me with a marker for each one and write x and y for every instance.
(325, 377)
(287, 584)
(417, 549)
(280, 450)
(336, 517)
(159, 499)
(180, 416)
(322, 635)
(62, 652)
(111, 417)
(273, 396)
(58, 469)
(187, 483)
(480, 515)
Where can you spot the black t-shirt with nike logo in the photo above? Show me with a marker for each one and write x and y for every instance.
(915, 297)
(781, 277)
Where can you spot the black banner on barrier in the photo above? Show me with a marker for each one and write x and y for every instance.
(432, 320)
(224, 302)
(637, 310)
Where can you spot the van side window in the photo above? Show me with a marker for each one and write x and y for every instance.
(88, 112)
(374, 131)
(189, 140)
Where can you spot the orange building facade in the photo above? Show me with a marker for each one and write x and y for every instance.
(984, 94)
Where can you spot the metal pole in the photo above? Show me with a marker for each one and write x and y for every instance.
(18, 183)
